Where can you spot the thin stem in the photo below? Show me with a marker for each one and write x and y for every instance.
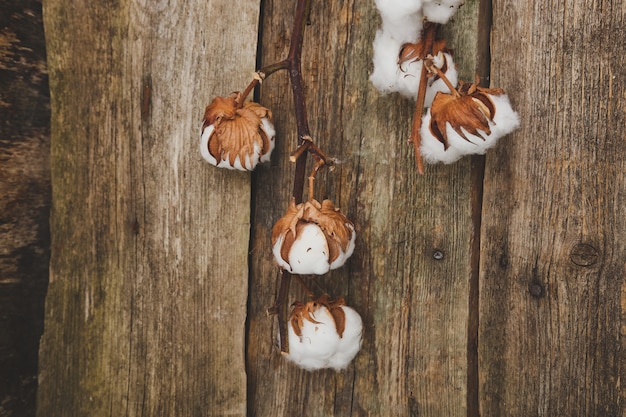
(281, 309)
(272, 68)
(249, 88)
(306, 144)
(416, 137)
(430, 65)
(295, 77)
(310, 293)
(318, 164)
(293, 64)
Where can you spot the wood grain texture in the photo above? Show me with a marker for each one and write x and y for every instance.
(24, 201)
(145, 314)
(553, 257)
(413, 360)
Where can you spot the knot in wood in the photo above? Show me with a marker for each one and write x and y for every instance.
(438, 255)
(584, 255)
(536, 290)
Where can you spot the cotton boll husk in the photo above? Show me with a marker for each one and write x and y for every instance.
(440, 11)
(248, 165)
(309, 253)
(350, 342)
(343, 256)
(385, 73)
(318, 343)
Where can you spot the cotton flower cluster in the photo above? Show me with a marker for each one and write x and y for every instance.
(469, 121)
(396, 70)
(324, 334)
(312, 238)
(236, 135)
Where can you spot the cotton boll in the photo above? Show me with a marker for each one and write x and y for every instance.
(504, 122)
(350, 342)
(312, 237)
(318, 342)
(235, 136)
(440, 11)
(386, 51)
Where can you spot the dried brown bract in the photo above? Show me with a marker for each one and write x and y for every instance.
(469, 109)
(236, 135)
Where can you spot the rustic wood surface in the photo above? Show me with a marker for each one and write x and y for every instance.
(553, 255)
(414, 307)
(24, 201)
(161, 274)
(146, 306)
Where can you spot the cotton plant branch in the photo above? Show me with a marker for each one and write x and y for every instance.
(305, 146)
(312, 237)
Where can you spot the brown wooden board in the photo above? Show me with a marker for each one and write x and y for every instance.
(415, 307)
(24, 201)
(553, 255)
(146, 307)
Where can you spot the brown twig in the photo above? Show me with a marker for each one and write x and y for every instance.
(432, 68)
(428, 41)
(294, 67)
(416, 137)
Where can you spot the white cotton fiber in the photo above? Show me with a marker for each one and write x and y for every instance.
(204, 144)
(309, 253)
(318, 343)
(386, 51)
(404, 28)
(350, 342)
(506, 119)
(396, 9)
(440, 11)
(268, 127)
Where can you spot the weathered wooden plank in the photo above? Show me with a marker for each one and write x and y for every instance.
(553, 254)
(24, 201)
(413, 361)
(145, 314)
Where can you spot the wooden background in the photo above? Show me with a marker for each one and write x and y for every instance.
(494, 286)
